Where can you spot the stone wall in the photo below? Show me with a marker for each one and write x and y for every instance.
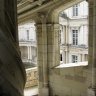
(32, 78)
(71, 81)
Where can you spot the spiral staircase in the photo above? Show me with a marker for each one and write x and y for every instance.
(12, 72)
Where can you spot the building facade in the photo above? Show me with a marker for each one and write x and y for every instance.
(27, 43)
(74, 33)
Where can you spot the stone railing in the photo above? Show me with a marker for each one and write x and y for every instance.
(32, 77)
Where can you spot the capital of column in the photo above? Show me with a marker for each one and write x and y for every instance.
(48, 25)
(42, 17)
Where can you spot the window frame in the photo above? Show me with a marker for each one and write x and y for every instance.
(75, 57)
(75, 37)
(75, 10)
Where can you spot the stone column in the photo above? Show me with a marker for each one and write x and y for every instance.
(39, 56)
(90, 36)
(53, 45)
(63, 35)
(42, 56)
(67, 56)
(42, 59)
(92, 47)
(66, 34)
(48, 51)
(64, 29)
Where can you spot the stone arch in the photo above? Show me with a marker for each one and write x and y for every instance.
(50, 29)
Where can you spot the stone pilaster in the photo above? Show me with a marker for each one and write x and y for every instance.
(64, 57)
(92, 46)
(64, 29)
(48, 50)
(90, 36)
(63, 35)
(66, 34)
(39, 54)
(42, 59)
(53, 45)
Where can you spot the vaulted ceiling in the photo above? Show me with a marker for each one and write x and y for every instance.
(27, 9)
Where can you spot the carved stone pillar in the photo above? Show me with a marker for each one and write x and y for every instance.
(90, 36)
(92, 47)
(42, 57)
(63, 34)
(48, 52)
(64, 29)
(64, 57)
(53, 45)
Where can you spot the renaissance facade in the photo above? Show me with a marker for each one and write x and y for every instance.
(74, 33)
(28, 44)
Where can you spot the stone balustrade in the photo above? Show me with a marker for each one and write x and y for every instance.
(32, 77)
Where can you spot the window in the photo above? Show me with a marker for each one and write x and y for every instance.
(75, 37)
(60, 57)
(75, 10)
(27, 34)
(74, 58)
